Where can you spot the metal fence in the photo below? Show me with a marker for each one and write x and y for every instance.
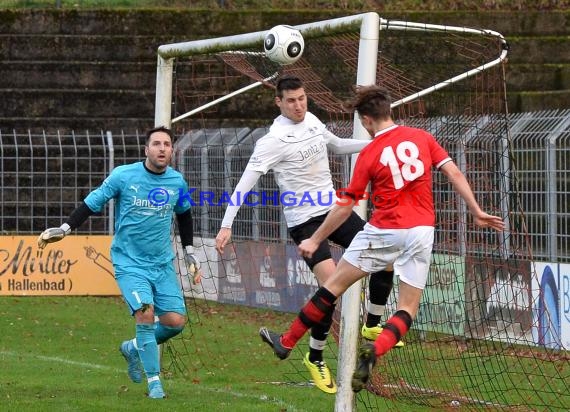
(44, 177)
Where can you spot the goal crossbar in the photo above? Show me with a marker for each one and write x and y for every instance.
(369, 25)
(338, 25)
(408, 26)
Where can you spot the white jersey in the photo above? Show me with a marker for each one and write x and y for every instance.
(298, 155)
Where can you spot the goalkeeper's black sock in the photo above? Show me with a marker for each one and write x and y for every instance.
(372, 320)
(315, 355)
(380, 286)
(319, 335)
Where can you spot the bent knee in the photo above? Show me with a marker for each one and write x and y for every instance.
(173, 320)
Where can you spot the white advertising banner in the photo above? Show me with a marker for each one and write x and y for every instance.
(546, 329)
(564, 288)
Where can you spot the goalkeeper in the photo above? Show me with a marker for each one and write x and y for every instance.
(296, 149)
(147, 195)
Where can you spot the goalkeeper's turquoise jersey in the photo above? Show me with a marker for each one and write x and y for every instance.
(145, 203)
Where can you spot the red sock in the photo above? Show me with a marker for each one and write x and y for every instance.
(394, 330)
(296, 331)
(310, 315)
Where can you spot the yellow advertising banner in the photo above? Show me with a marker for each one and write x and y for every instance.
(76, 265)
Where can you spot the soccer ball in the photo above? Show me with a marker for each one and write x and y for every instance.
(284, 44)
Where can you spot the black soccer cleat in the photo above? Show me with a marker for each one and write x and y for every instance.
(274, 340)
(364, 366)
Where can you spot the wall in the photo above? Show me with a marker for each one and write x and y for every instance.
(70, 69)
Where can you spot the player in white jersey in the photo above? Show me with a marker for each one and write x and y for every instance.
(296, 149)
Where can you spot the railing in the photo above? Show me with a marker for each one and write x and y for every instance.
(44, 177)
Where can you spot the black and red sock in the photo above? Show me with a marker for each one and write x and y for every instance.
(313, 313)
(394, 330)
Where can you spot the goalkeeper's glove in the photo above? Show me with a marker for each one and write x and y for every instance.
(53, 234)
(192, 265)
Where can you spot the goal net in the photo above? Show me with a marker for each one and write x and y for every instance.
(484, 337)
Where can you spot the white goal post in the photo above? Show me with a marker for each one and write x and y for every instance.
(369, 26)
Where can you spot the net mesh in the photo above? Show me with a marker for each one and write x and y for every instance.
(485, 337)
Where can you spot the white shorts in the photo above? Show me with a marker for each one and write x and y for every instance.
(408, 250)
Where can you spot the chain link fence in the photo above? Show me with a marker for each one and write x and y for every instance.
(45, 176)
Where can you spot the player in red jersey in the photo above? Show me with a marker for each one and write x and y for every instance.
(400, 232)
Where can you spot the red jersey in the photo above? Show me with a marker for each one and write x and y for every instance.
(398, 164)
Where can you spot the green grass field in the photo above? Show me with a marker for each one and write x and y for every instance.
(61, 354)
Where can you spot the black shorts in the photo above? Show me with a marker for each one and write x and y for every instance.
(342, 236)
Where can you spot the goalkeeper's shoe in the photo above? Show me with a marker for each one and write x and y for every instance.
(364, 366)
(155, 390)
(373, 332)
(274, 340)
(131, 355)
(321, 375)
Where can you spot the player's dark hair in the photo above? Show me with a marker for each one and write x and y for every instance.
(373, 101)
(156, 129)
(287, 82)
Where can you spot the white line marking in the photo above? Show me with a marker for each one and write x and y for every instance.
(264, 398)
(61, 360)
(465, 399)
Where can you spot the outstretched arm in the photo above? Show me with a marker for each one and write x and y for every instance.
(248, 179)
(76, 219)
(344, 146)
(92, 204)
(461, 186)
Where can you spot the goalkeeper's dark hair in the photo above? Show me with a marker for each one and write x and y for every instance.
(156, 129)
(287, 82)
(373, 101)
